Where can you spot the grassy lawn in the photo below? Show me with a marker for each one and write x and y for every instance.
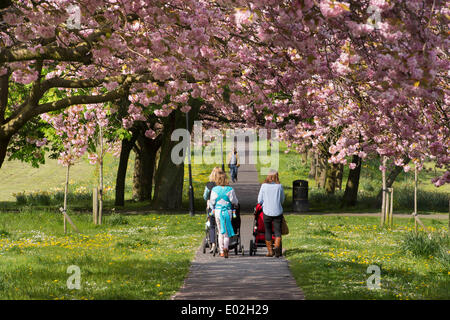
(329, 257)
(128, 257)
(43, 188)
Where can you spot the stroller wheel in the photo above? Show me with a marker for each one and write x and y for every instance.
(204, 245)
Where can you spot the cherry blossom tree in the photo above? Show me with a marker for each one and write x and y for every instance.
(374, 70)
(363, 78)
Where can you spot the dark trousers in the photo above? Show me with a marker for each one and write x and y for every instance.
(212, 229)
(276, 221)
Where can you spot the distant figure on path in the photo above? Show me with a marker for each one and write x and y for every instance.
(207, 195)
(271, 196)
(233, 164)
(222, 198)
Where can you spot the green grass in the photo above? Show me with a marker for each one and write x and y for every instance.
(131, 257)
(421, 244)
(329, 257)
(430, 198)
(42, 188)
(51, 176)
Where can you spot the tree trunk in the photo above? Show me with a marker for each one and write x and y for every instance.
(305, 157)
(313, 167)
(339, 175)
(169, 176)
(3, 147)
(4, 89)
(351, 189)
(127, 146)
(144, 167)
(331, 174)
(321, 171)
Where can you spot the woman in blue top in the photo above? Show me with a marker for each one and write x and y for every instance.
(222, 198)
(271, 196)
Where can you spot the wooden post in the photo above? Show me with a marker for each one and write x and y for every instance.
(95, 205)
(391, 218)
(415, 197)
(66, 191)
(100, 203)
(66, 216)
(64, 208)
(383, 199)
(417, 220)
(388, 207)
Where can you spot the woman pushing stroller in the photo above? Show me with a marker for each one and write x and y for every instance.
(222, 199)
(207, 195)
(271, 196)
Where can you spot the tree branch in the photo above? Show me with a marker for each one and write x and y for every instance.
(77, 54)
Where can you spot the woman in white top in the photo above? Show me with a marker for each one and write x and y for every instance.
(271, 196)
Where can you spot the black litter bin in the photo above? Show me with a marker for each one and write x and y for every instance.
(300, 196)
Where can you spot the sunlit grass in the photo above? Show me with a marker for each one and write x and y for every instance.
(147, 257)
(329, 257)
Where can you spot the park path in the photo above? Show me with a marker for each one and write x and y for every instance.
(240, 277)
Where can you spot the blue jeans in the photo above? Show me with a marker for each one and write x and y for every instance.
(233, 172)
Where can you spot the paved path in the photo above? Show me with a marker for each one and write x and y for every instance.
(241, 277)
(247, 187)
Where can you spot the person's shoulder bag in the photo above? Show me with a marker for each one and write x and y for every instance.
(284, 227)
